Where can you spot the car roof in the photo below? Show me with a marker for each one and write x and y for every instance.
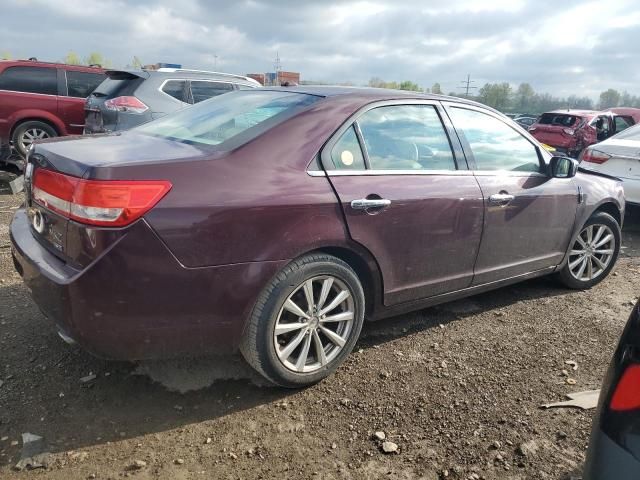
(37, 63)
(372, 93)
(185, 73)
(578, 113)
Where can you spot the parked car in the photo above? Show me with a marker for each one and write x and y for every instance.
(41, 100)
(276, 220)
(618, 156)
(525, 122)
(128, 98)
(570, 131)
(614, 449)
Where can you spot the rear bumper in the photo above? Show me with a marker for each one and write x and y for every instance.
(136, 301)
(606, 460)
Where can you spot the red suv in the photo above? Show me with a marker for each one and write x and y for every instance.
(570, 131)
(40, 100)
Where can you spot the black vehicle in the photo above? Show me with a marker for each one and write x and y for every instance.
(525, 122)
(128, 98)
(614, 449)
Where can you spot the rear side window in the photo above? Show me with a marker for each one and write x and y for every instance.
(242, 116)
(81, 84)
(176, 89)
(632, 133)
(561, 120)
(623, 123)
(201, 90)
(406, 137)
(30, 80)
(346, 154)
(494, 144)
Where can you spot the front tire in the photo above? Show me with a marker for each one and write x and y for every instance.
(28, 132)
(593, 253)
(305, 322)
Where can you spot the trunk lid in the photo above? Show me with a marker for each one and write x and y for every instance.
(556, 129)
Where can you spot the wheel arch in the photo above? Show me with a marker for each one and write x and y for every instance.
(59, 129)
(610, 207)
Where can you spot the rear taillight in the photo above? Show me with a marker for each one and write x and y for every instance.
(126, 104)
(594, 156)
(627, 393)
(111, 203)
(568, 131)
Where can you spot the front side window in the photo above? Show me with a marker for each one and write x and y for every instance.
(201, 90)
(30, 80)
(406, 137)
(494, 144)
(81, 84)
(175, 89)
(346, 154)
(623, 123)
(242, 114)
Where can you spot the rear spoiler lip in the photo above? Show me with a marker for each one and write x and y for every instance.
(126, 74)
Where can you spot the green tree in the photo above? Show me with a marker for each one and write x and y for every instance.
(436, 89)
(5, 55)
(496, 95)
(72, 58)
(609, 98)
(96, 58)
(409, 85)
(524, 98)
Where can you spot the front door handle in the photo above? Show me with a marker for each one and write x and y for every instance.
(367, 203)
(501, 198)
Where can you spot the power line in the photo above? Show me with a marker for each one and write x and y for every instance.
(467, 85)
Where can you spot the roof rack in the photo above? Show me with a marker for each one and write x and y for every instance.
(187, 70)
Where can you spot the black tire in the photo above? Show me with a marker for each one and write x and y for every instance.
(258, 344)
(28, 128)
(567, 278)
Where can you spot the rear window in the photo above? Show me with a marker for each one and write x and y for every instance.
(559, 119)
(30, 80)
(81, 84)
(112, 87)
(241, 114)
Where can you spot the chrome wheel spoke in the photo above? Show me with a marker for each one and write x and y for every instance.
(576, 252)
(606, 239)
(603, 252)
(576, 262)
(333, 336)
(289, 327)
(326, 288)
(308, 293)
(583, 266)
(599, 233)
(589, 268)
(581, 242)
(290, 306)
(338, 317)
(304, 353)
(341, 297)
(319, 348)
(592, 252)
(599, 262)
(286, 352)
(590, 234)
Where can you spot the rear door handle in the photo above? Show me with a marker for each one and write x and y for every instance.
(501, 198)
(366, 203)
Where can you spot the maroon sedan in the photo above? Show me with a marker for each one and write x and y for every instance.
(276, 220)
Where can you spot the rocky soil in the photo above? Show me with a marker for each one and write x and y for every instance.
(449, 392)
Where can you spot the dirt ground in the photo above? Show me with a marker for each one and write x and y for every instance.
(457, 387)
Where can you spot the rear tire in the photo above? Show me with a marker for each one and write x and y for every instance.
(593, 253)
(26, 133)
(305, 322)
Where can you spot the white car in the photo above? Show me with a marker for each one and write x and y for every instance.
(618, 156)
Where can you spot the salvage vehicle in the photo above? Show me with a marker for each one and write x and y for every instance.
(614, 448)
(276, 220)
(618, 156)
(41, 100)
(571, 131)
(127, 98)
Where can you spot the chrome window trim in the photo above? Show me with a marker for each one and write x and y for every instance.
(325, 152)
(30, 93)
(359, 173)
(164, 82)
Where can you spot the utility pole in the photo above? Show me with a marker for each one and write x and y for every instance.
(215, 62)
(468, 85)
(277, 66)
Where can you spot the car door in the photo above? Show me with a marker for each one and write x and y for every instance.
(529, 215)
(408, 197)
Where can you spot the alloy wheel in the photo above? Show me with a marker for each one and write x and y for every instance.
(592, 252)
(314, 324)
(30, 135)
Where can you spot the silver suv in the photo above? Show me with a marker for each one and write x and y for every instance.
(127, 98)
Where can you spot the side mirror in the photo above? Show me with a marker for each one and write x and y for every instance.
(563, 167)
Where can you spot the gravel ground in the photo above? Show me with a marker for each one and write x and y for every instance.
(457, 388)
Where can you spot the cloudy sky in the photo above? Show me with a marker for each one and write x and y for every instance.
(562, 47)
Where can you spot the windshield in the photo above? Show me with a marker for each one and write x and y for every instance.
(631, 133)
(219, 119)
